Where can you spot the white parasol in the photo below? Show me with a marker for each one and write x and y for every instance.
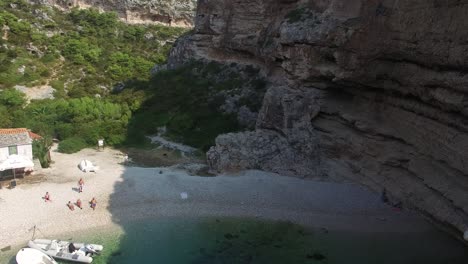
(15, 162)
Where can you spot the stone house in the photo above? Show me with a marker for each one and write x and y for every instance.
(16, 142)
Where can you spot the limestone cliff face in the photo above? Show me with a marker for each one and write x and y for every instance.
(375, 91)
(170, 12)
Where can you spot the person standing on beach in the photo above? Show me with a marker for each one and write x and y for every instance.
(78, 203)
(93, 203)
(80, 185)
(47, 197)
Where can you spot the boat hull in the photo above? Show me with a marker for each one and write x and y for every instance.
(33, 256)
(59, 250)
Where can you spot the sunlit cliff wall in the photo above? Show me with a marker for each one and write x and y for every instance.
(169, 12)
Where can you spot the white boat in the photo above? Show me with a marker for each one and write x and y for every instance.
(33, 256)
(77, 252)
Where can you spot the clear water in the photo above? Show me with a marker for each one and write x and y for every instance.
(237, 240)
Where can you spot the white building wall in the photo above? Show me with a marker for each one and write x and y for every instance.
(23, 150)
(26, 150)
(3, 153)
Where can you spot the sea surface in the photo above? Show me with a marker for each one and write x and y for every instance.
(242, 240)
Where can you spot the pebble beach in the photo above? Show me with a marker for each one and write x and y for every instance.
(126, 194)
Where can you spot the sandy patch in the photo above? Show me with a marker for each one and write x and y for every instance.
(37, 92)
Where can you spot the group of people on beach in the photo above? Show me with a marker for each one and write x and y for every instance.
(78, 203)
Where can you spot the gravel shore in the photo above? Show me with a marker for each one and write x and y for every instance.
(128, 193)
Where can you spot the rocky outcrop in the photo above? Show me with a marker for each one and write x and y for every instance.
(281, 142)
(375, 91)
(169, 12)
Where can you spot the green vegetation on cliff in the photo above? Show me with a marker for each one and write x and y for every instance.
(81, 53)
(187, 102)
(99, 69)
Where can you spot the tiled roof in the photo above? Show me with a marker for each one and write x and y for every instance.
(34, 136)
(14, 136)
(11, 131)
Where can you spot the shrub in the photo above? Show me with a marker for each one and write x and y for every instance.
(183, 101)
(57, 84)
(5, 117)
(12, 98)
(81, 52)
(71, 145)
(90, 50)
(64, 130)
(41, 149)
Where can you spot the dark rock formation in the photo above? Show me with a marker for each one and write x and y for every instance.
(375, 91)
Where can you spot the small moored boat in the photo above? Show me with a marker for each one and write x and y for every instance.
(33, 256)
(70, 251)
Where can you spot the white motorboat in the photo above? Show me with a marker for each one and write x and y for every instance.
(71, 251)
(33, 256)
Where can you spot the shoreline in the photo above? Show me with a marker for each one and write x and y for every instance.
(128, 193)
(326, 222)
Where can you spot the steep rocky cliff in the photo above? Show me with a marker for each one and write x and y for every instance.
(374, 91)
(170, 12)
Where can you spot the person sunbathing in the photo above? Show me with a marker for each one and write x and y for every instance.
(71, 206)
(78, 203)
(47, 197)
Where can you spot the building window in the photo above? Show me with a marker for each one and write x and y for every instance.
(13, 150)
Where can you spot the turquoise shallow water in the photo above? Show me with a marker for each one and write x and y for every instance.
(239, 240)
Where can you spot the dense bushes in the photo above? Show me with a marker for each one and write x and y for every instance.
(71, 145)
(41, 149)
(187, 102)
(84, 55)
(85, 50)
(87, 119)
(79, 51)
(12, 99)
(19, 28)
(93, 21)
